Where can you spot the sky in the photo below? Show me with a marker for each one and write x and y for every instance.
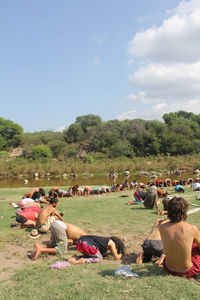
(118, 59)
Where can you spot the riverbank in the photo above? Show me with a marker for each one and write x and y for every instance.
(24, 168)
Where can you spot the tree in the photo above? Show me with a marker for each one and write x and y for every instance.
(88, 121)
(11, 134)
(57, 147)
(74, 133)
(41, 152)
(121, 148)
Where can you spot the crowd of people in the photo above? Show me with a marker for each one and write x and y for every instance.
(172, 242)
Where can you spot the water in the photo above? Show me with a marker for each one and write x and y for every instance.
(82, 181)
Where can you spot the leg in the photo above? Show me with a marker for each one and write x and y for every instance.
(29, 223)
(75, 260)
(40, 249)
(140, 258)
(159, 262)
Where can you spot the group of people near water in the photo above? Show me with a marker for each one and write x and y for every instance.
(172, 242)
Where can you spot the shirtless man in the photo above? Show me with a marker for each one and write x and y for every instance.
(30, 193)
(181, 241)
(60, 233)
(152, 246)
(48, 215)
(87, 190)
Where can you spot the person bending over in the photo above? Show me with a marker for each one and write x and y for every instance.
(94, 248)
(152, 246)
(181, 241)
(139, 197)
(151, 198)
(179, 188)
(61, 234)
(30, 193)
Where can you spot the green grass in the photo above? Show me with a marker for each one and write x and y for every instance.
(104, 215)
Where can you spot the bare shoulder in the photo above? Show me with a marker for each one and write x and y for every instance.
(163, 223)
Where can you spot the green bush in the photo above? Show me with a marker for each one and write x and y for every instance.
(57, 147)
(41, 152)
(4, 155)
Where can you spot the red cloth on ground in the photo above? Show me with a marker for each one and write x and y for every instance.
(29, 213)
(193, 271)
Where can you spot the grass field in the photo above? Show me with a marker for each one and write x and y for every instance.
(21, 278)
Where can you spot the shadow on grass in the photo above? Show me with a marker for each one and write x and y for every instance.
(129, 258)
(145, 270)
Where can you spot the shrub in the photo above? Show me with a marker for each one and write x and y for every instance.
(41, 152)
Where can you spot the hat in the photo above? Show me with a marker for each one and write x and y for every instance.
(34, 234)
(153, 187)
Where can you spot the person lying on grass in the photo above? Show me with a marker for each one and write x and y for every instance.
(61, 234)
(181, 241)
(28, 216)
(94, 248)
(152, 246)
(48, 215)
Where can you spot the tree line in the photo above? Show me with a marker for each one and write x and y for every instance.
(89, 137)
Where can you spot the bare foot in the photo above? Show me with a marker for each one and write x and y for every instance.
(159, 262)
(35, 254)
(36, 246)
(74, 260)
(139, 259)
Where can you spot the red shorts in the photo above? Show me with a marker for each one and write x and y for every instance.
(193, 271)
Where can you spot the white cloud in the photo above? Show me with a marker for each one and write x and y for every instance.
(140, 97)
(159, 107)
(161, 81)
(177, 39)
(127, 115)
(156, 112)
(61, 128)
(97, 61)
(168, 74)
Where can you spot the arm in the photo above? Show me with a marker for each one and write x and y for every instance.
(156, 204)
(112, 247)
(57, 214)
(196, 235)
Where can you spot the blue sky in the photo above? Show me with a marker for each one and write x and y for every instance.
(114, 58)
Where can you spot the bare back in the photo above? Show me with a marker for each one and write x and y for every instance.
(45, 212)
(74, 232)
(30, 193)
(177, 240)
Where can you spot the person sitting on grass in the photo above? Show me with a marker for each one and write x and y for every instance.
(152, 246)
(61, 234)
(181, 241)
(165, 202)
(48, 215)
(94, 248)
